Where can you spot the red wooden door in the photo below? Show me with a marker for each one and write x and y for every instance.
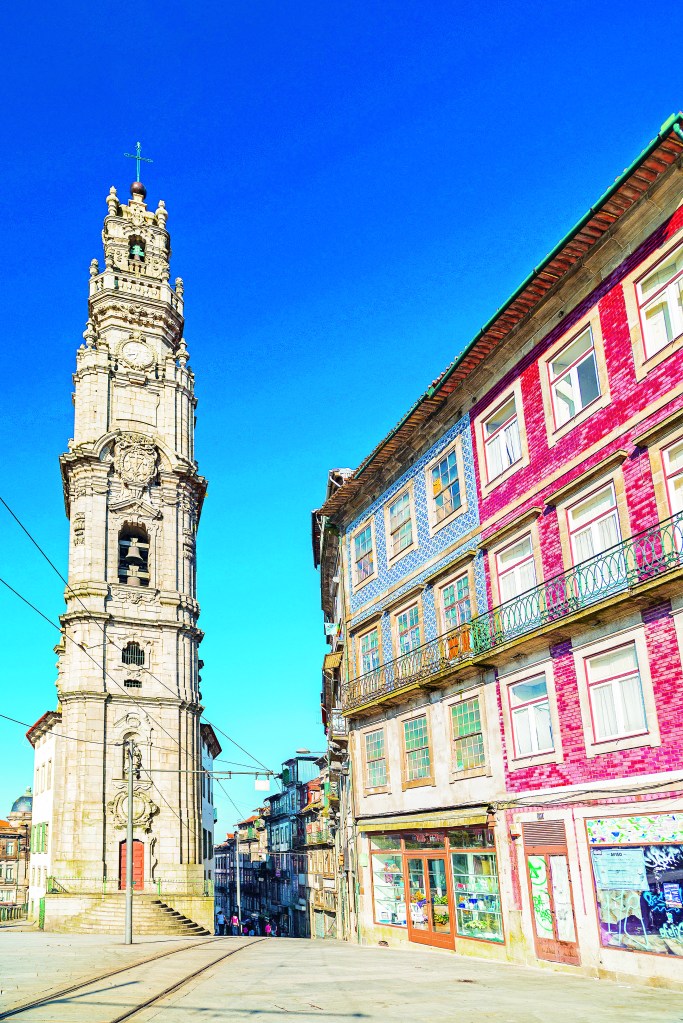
(550, 892)
(138, 865)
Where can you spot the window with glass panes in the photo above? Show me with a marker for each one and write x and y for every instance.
(574, 378)
(502, 441)
(616, 693)
(457, 607)
(400, 525)
(594, 524)
(416, 741)
(375, 761)
(530, 714)
(468, 736)
(673, 467)
(445, 486)
(364, 558)
(660, 297)
(408, 628)
(369, 651)
(516, 569)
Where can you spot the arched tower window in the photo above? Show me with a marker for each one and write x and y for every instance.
(133, 556)
(136, 248)
(133, 653)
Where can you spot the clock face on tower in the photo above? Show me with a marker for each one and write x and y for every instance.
(136, 353)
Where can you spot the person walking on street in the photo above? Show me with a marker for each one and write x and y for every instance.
(268, 930)
(235, 924)
(220, 923)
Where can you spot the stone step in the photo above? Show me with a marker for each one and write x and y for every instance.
(150, 916)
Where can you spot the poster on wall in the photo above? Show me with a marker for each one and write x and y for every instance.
(620, 868)
(672, 895)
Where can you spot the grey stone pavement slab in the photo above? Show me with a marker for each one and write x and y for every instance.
(331, 982)
(33, 963)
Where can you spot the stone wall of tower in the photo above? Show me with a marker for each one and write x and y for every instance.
(130, 466)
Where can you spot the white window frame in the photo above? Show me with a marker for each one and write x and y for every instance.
(613, 682)
(528, 709)
(573, 372)
(584, 652)
(506, 681)
(665, 294)
(531, 557)
(670, 476)
(592, 524)
(486, 481)
(498, 435)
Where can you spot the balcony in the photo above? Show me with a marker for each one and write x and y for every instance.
(633, 566)
(319, 838)
(325, 900)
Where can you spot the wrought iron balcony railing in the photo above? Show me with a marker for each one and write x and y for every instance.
(644, 557)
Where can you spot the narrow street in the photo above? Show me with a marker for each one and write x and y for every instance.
(305, 981)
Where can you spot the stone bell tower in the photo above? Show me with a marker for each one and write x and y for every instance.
(128, 664)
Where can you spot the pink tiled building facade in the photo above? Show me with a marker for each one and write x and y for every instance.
(511, 684)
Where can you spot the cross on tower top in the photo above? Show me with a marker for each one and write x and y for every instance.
(139, 158)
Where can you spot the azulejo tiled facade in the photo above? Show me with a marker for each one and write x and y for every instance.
(420, 563)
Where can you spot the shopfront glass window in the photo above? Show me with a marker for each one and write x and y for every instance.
(384, 842)
(424, 840)
(476, 888)
(389, 894)
(639, 892)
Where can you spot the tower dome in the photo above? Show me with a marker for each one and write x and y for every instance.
(24, 804)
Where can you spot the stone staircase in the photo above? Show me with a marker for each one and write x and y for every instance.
(107, 915)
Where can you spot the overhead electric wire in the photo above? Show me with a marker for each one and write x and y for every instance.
(102, 667)
(63, 735)
(107, 638)
(80, 646)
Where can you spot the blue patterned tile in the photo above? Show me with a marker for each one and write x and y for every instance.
(373, 596)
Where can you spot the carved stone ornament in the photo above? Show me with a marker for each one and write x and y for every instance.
(144, 810)
(135, 460)
(135, 352)
(79, 529)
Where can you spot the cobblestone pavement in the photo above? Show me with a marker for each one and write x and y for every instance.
(333, 982)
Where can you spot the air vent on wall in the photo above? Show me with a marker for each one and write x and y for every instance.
(544, 833)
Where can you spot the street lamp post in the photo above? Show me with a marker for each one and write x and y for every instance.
(237, 874)
(128, 936)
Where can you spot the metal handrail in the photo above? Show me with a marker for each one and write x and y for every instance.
(107, 886)
(633, 562)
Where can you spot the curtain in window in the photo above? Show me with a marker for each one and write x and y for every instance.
(632, 698)
(522, 726)
(544, 732)
(513, 447)
(604, 711)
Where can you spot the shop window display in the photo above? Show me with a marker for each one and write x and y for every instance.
(475, 885)
(639, 885)
(389, 894)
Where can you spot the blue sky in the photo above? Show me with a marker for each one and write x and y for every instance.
(353, 189)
